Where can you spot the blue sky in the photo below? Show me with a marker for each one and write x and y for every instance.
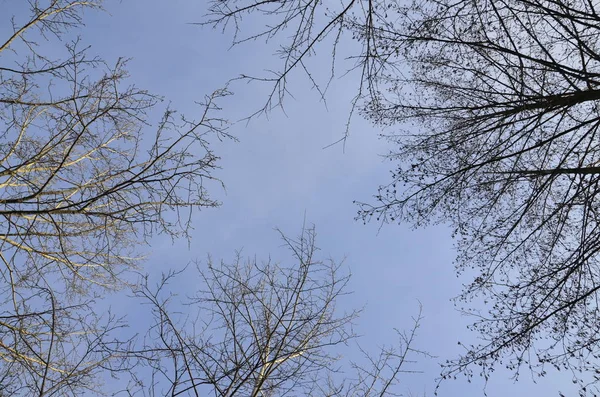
(279, 172)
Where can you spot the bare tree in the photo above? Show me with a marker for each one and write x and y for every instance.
(262, 329)
(504, 98)
(82, 177)
(85, 177)
(51, 349)
(493, 112)
(306, 27)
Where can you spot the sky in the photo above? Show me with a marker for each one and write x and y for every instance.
(278, 174)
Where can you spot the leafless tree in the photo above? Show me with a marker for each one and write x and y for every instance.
(85, 177)
(262, 329)
(53, 350)
(301, 29)
(492, 108)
